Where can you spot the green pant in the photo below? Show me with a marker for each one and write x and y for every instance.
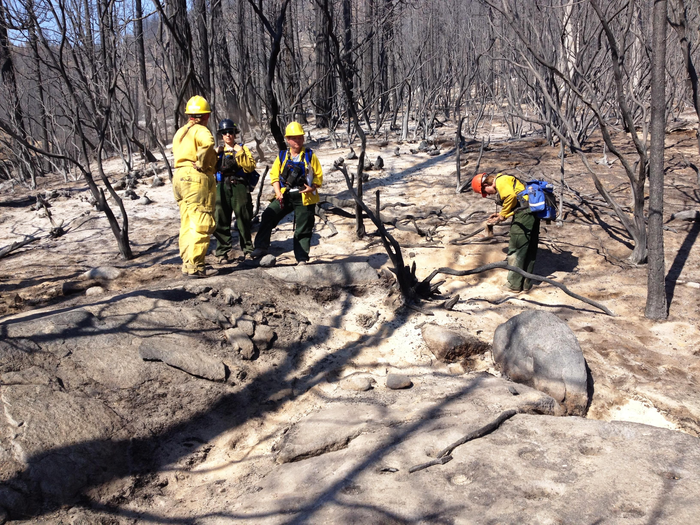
(522, 248)
(233, 199)
(304, 217)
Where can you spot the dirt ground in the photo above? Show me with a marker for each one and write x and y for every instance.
(643, 371)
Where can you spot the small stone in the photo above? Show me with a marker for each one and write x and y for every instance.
(230, 297)
(197, 289)
(352, 155)
(356, 383)
(119, 185)
(264, 335)
(212, 313)
(94, 290)
(398, 381)
(241, 342)
(157, 182)
(268, 261)
(379, 164)
(144, 201)
(397, 151)
(248, 327)
(106, 273)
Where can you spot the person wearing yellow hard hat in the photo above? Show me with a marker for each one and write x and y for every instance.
(194, 186)
(296, 176)
(524, 230)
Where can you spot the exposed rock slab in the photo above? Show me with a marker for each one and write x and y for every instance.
(538, 349)
(57, 437)
(187, 358)
(340, 274)
(533, 469)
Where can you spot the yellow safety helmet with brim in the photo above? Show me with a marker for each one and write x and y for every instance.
(293, 129)
(197, 105)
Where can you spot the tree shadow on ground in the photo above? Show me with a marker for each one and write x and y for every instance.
(674, 272)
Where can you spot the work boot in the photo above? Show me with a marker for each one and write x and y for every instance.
(222, 259)
(201, 274)
(258, 252)
(507, 288)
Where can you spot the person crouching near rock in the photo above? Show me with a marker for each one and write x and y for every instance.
(234, 181)
(194, 187)
(524, 230)
(296, 176)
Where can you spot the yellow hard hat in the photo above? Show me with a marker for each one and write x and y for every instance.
(293, 129)
(197, 106)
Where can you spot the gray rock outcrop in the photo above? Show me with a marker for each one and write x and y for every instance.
(187, 358)
(342, 274)
(538, 349)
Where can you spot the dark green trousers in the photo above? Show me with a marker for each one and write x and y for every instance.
(522, 248)
(304, 217)
(233, 199)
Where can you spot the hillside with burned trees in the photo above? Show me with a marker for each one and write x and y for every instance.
(392, 379)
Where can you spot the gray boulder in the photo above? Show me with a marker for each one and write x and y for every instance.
(450, 346)
(186, 357)
(538, 349)
(343, 274)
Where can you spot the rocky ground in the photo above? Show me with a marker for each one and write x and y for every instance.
(263, 395)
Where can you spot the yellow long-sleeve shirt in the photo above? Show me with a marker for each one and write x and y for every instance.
(508, 187)
(193, 145)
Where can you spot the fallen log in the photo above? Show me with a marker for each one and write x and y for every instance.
(7, 250)
(505, 266)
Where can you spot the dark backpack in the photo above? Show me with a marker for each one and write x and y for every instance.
(228, 167)
(540, 199)
(308, 153)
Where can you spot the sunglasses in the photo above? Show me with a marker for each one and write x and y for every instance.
(227, 133)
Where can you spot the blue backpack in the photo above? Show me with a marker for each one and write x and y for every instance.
(540, 199)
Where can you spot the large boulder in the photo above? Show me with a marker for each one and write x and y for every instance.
(333, 274)
(538, 349)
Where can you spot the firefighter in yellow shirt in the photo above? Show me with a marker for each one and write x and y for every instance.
(296, 176)
(194, 187)
(524, 230)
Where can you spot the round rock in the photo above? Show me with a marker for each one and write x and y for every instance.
(268, 261)
(398, 381)
(357, 383)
